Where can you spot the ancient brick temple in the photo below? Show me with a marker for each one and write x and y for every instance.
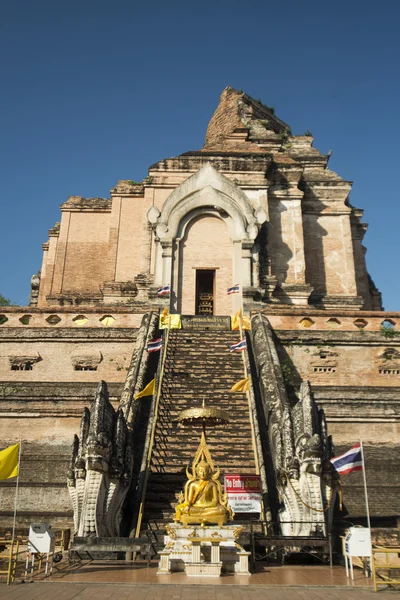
(256, 206)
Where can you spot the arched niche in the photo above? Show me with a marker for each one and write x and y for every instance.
(205, 192)
(193, 260)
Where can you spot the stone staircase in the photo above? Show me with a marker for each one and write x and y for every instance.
(198, 365)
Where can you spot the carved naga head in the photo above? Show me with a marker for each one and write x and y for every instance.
(99, 441)
(308, 451)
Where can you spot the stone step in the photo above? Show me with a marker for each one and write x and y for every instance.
(233, 432)
(170, 412)
(242, 443)
(181, 459)
(217, 444)
(207, 350)
(232, 358)
(194, 365)
(172, 397)
(245, 466)
(177, 463)
(172, 402)
(203, 334)
(168, 423)
(187, 446)
(203, 355)
(213, 394)
(171, 409)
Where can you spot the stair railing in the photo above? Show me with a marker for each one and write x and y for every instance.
(134, 381)
(153, 430)
(253, 436)
(255, 432)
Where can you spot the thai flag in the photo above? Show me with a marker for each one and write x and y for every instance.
(154, 345)
(163, 290)
(235, 289)
(349, 461)
(239, 347)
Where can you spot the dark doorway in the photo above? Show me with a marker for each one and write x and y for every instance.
(205, 291)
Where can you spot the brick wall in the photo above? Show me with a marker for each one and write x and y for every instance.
(45, 418)
(133, 239)
(84, 265)
(56, 361)
(329, 254)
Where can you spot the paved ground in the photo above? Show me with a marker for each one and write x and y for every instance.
(120, 580)
(123, 572)
(92, 591)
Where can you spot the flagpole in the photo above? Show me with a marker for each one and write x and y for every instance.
(253, 437)
(365, 486)
(241, 307)
(16, 494)
(246, 375)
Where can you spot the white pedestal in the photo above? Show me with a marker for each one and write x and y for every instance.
(164, 564)
(215, 552)
(203, 551)
(196, 554)
(242, 567)
(203, 569)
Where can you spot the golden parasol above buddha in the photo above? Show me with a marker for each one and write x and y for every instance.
(203, 500)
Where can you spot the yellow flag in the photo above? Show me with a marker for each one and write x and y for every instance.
(246, 323)
(174, 321)
(148, 390)
(235, 321)
(9, 462)
(241, 386)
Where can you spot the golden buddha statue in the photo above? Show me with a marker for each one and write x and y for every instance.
(203, 500)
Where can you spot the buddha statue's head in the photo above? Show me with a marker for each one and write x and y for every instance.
(203, 470)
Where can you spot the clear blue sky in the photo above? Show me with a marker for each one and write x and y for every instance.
(93, 91)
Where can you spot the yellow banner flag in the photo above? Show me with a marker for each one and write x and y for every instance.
(174, 321)
(241, 386)
(148, 390)
(9, 462)
(235, 321)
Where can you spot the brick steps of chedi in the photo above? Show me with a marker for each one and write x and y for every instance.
(201, 369)
(212, 442)
(161, 465)
(240, 418)
(176, 442)
(173, 395)
(174, 403)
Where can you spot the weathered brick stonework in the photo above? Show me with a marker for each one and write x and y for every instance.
(45, 416)
(261, 207)
(225, 119)
(312, 240)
